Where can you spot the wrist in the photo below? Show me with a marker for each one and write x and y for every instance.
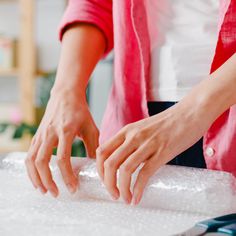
(210, 99)
(71, 82)
(72, 77)
(68, 91)
(200, 106)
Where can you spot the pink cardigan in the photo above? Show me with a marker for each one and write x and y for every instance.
(126, 21)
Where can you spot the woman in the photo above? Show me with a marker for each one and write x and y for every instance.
(129, 136)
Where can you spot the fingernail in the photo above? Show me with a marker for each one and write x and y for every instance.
(71, 188)
(42, 190)
(54, 192)
(136, 199)
(115, 196)
(127, 201)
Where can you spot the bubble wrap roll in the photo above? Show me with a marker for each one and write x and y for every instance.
(174, 188)
(171, 188)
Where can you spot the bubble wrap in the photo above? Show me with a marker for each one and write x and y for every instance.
(175, 199)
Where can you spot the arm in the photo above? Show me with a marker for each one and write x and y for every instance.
(218, 92)
(154, 140)
(83, 45)
(212, 96)
(67, 114)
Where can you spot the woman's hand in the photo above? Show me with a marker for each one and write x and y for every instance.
(153, 141)
(67, 116)
(156, 140)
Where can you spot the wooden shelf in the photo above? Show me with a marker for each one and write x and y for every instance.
(25, 71)
(10, 72)
(15, 72)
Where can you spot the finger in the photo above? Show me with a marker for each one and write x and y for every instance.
(128, 168)
(64, 163)
(112, 164)
(31, 169)
(42, 165)
(149, 168)
(90, 139)
(104, 151)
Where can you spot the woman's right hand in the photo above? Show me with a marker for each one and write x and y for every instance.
(67, 116)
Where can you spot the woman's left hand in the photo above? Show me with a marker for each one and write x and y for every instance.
(153, 141)
(156, 140)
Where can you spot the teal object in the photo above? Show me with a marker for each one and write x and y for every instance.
(213, 225)
(228, 230)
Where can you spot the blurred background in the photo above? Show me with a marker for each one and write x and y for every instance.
(29, 53)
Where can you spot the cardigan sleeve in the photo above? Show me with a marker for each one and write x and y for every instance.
(96, 12)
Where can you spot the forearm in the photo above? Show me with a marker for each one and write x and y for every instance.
(224, 84)
(82, 47)
(213, 96)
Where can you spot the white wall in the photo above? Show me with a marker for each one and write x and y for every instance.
(49, 13)
(100, 87)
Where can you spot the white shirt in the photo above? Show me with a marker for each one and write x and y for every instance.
(184, 47)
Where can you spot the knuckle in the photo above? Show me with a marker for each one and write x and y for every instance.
(124, 130)
(127, 128)
(135, 137)
(145, 173)
(138, 136)
(39, 163)
(125, 169)
(94, 129)
(49, 130)
(162, 144)
(28, 161)
(100, 152)
(152, 143)
(35, 142)
(62, 160)
(96, 132)
(160, 139)
(109, 164)
(67, 127)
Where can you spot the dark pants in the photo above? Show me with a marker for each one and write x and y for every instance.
(192, 157)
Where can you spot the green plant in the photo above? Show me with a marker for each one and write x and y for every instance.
(20, 130)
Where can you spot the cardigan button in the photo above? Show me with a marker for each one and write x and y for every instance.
(210, 151)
